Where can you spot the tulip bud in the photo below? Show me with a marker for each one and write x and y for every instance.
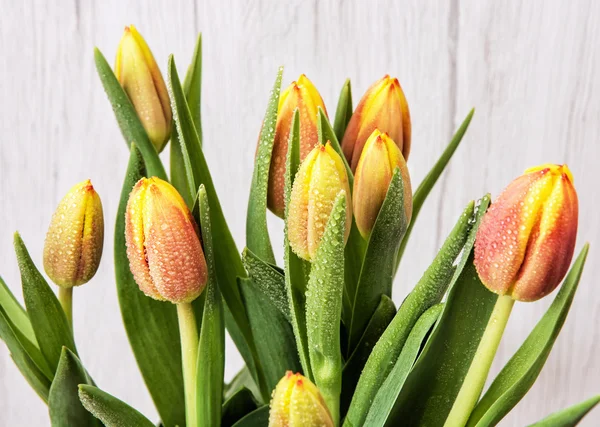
(141, 79)
(382, 107)
(303, 95)
(297, 402)
(526, 240)
(164, 251)
(73, 245)
(380, 157)
(320, 178)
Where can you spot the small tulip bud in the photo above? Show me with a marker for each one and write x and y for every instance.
(320, 178)
(380, 157)
(297, 402)
(303, 95)
(163, 247)
(526, 240)
(74, 241)
(382, 107)
(141, 79)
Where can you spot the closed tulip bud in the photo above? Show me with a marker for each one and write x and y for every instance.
(380, 157)
(319, 180)
(526, 240)
(302, 95)
(382, 107)
(141, 79)
(297, 402)
(74, 241)
(163, 247)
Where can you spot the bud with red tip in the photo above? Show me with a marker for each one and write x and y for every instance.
(141, 79)
(382, 107)
(163, 247)
(302, 95)
(75, 237)
(297, 402)
(380, 157)
(320, 178)
(526, 240)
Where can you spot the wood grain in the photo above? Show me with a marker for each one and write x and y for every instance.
(530, 69)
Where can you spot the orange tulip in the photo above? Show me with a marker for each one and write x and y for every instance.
(526, 240)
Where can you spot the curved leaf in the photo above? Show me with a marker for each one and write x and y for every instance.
(569, 417)
(243, 379)
(521, 371)
(15, 312)
(192, 86)
(110, 410)
(257, 418)
(343, 111)
(240, 404)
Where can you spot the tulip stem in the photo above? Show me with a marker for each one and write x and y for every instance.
(475, 380)
(65, 297)
(188, 332)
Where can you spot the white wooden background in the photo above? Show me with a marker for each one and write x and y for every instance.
(531, 69)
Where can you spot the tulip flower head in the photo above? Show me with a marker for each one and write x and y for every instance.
(74, 241)
(141, 79)
(375, 169)
(526, 240)
(302, 95)
(319, 180)
(297, 402)
(382, 107)
(163, 247)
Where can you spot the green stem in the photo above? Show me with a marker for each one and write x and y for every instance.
(475, 380)
(188, 332)
(65, 296)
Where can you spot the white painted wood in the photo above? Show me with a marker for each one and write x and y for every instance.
(530, 69)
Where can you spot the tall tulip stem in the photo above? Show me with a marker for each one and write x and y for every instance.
(475, 380)
(65, 296)
(189, 351)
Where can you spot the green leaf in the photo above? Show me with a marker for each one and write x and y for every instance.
(388, 393)
(243, 379)
(257, 233)
(296, 269)
(151, 325)
(324, 308)
(326, 133)
(429, 181)
(569, 417)
(428, 292)
(15, 312)
(192, 86)
(211, 347)
(39, 381)
(377, 270)
(63, 401)
(240, 404)
(127, 118)
(257, 418)
(521, 371)
(110, 410)
(269, 280)
(354, 365)
(47, 317)
(272, 332)
(343, 111)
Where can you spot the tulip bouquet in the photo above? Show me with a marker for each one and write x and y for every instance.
(323, 342)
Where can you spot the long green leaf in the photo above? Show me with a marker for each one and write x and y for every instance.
(429, 181)
(257, 418)
(192, 86)
(428, 292)
(151, 325)
(377, 272)
(257, 233)
(569, 417)
(240, 404)
(521, 371)
(129, 123)
(63, 402)
(343, 111)
(243, 379)
(324, 308)
(47, 317)
(211, 347)
(15, 312)
(110, 410)
(388, 393)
